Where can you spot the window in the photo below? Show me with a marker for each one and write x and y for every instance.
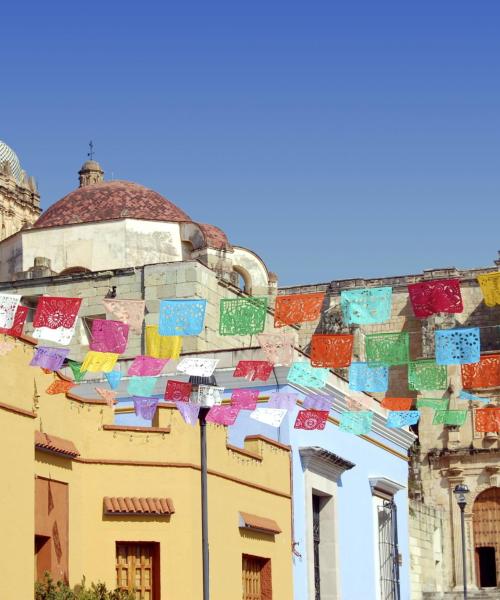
(316, 503)
(137, 569)
(256, 578)
(387, 540)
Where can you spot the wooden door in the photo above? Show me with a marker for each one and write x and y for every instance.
(252, 578)
(135, 569)
(486, 522)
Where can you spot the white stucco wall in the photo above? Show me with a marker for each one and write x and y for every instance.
(104, 245)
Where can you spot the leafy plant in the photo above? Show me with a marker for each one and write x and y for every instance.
(50, 590)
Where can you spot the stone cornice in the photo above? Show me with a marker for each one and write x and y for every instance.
(323, 462)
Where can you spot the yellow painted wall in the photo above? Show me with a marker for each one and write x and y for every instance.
(170, 469)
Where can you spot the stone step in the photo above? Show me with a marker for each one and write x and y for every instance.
(485, 594)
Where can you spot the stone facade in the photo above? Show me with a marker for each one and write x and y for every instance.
(444, 456)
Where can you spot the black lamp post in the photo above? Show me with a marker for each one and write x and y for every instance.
(461, 492)
(204, 408)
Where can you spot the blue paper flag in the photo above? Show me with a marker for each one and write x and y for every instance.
(181, 317)
(113, 378)
(458, 346)
(402, 418)
(366, 306)
(466, 396)
(364, 378)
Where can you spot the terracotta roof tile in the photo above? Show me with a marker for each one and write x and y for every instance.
(256, 523)
(52, 443)
(214, 237)
(110, 200)
(138, 506)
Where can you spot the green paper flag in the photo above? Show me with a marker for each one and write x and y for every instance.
(242, 316)
(387, 348)
(449, 417)
(437, 403)
(427, 375)
(75, 367)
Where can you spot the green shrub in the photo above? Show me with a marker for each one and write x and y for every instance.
(50, 590)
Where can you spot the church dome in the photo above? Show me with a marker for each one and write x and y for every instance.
(110, 200)
(7, 155)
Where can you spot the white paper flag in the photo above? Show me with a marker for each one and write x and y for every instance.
(202, 367)
(60, 335)
(8, 307)
(209, 395)
(269, 416)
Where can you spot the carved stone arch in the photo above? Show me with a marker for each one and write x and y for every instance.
(477, 491)
(253, 270)
(247, 278)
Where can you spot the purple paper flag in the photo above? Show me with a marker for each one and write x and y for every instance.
(145, 407)
(49, 358)
(189, 412)
(244, 399)
(146, 365)
(282, 400)
(222, 415)
(317, 402)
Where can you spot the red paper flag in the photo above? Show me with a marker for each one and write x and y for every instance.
(177, 391)
(397, 403)
(53, 312)
(430, 297)
(253, 369)
(19, 319)
(485, 373)
(297, 308)
(331, 351)
(311, 419)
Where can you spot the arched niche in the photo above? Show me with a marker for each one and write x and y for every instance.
(486, 527)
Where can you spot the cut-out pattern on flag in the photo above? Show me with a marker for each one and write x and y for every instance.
(130, 312)
(145, 407)
(189, 412)
(59, 386)
(99, 361)
(317, 402)
(114, 378)
(366, 306)
(76, 369)
(9, 304)
(483, 374)
(19, 319)
(222, 415)
(253, 370)
(311, 419)
(449, 417)
(269, 416)
(436, 403)
(302, 373)
(487, 420)
(490, 286)
(178, 391)
(364, 378)
(182, 317)
(108, 395)
(60, 335)
(54, 312)
(297, 308)
(141, 386)
(387, 348)
(431, 297)
(146, 365)
(109, 336)
(209, 395)
(278, 347)
(357, 422)
(284, 400)
(427, 375)
(245, 399)
(162, 346)
(402, 418)
(331, 350)
(242, 316)
(472, 398)
(201, 367)
(49, 358)
(457, 346)
(6, 347)
(397, 404)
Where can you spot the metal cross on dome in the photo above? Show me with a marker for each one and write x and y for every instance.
(90, 154)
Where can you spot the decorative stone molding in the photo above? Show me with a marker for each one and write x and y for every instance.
(386, 485)
(324, 463)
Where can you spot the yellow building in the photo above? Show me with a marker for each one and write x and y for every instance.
(121, 504)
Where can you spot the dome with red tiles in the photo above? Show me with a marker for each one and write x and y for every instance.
(110, 200)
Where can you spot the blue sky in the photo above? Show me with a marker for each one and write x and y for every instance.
(335, 139)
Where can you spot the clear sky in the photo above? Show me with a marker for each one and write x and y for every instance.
(335, 139)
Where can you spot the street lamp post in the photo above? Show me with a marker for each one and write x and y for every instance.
(461, 492)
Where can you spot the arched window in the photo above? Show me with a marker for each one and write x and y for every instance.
(486, 522)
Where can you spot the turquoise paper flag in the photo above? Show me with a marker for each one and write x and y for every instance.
(181, 317)
(303, 374)
(402, 418)
(357, 422)
(113, 378)
(141, 386)
(366, 306)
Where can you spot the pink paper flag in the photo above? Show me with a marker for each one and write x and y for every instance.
(109, 336)
(146, 365)
(222, 415)
(245, 399)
